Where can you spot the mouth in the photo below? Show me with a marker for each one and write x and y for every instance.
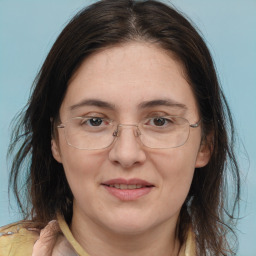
(128, 190)
(127, 186)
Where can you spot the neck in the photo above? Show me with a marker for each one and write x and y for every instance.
(99, 241)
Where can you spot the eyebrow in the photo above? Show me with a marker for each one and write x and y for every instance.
(93, 102)
(142, 105)
(162, 102)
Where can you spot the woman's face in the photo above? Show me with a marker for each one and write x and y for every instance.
(128, 83)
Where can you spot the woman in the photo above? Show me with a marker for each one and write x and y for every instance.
(126, 132)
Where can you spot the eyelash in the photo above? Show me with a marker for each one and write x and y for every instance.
(147, 120)
(149, 116)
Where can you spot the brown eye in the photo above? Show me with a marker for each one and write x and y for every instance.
(95, 121)
(159, 121)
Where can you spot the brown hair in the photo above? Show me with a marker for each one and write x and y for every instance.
(108, 23)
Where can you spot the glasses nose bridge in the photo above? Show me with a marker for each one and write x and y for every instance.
(134, 126)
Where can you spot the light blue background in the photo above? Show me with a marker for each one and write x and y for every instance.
(29, 28)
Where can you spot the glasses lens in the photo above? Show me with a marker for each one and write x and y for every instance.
(89, 132)
(98, 133)
(164, 132)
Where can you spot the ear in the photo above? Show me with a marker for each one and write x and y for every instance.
(204, 154)
(55, 151)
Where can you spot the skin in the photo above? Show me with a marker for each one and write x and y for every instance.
(125, 76)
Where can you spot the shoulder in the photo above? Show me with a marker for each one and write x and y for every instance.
(16, 239)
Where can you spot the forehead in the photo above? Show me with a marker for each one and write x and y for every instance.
(129, 74)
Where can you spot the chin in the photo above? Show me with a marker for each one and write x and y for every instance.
(128, 229)
(127, 224)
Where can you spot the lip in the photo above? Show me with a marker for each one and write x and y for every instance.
(128, 194)
(127, 182)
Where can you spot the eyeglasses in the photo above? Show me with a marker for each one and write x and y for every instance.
(160, 132)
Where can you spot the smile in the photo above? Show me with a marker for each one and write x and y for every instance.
(127, 190)
(126, 186)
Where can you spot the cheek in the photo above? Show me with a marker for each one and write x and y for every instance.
(176, 168)
(80, 167)
(175, 162)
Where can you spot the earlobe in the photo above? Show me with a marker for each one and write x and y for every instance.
(55, 151)
(203, 156)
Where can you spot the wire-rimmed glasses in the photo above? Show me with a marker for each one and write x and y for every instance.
(92, 133)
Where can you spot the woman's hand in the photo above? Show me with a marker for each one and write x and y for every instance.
(51, 242)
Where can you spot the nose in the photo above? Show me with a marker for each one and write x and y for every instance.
(127, 149)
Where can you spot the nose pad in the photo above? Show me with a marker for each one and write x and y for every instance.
(117, 132)
(127, 151)
(138, 133)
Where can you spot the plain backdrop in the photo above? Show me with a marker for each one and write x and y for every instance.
(29, 28)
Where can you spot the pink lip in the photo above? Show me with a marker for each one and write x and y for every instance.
(128, 182)
(128, 194)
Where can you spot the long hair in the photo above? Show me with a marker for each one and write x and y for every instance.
(45, 190)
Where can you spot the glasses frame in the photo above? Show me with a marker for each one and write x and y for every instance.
(116, 132)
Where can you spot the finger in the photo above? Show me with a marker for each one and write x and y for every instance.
(44, 245)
